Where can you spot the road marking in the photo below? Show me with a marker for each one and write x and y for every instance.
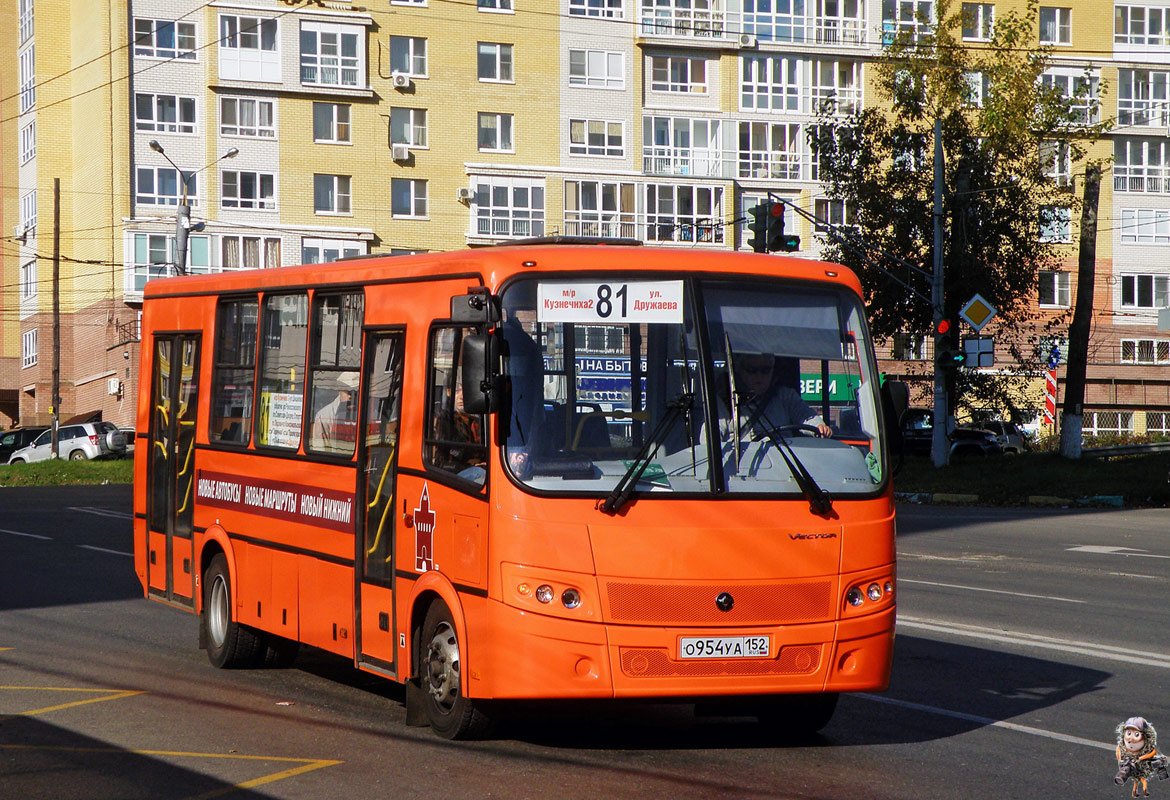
(29, 535)
(104, 550)
(993, 591)
(110, 694)
(995, 723)
(1106, 652)
(102, 512)
(1109, 550)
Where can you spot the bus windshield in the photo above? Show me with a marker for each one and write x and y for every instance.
(708, 386)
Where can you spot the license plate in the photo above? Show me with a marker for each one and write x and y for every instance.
(725, 647)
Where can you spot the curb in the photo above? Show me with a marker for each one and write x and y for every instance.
(1038, 500)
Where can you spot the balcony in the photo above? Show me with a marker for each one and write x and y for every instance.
(1141, 179)
(702, 21)
(805, 29)
(608, 225)
(771, 164)
(696, 162)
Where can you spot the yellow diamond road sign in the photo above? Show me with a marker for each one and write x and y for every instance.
(978, 312)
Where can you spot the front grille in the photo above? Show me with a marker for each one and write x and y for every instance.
(652, 662)
(691, 604)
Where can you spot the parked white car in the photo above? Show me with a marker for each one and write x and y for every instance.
(75, 442)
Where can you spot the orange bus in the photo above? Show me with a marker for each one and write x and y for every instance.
(549, 470)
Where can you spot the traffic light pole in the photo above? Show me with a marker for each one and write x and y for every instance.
(939, 451)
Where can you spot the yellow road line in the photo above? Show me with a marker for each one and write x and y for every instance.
(112, 694)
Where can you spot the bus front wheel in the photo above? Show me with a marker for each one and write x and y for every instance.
(450, 713)
(229, 644)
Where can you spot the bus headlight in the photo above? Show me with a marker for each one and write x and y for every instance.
(570, 598)
(544, 593)
(854, 597)
(874, 592)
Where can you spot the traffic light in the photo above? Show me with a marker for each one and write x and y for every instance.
(777, 240)
(951, 359)
(759, 227)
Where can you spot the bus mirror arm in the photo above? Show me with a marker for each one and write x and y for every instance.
(476, 307)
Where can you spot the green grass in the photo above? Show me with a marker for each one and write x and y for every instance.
(64, 473)
(1009, 480)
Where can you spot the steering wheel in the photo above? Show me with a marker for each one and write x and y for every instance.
(798, 427)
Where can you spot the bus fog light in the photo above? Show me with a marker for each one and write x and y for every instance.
(874, 592)
(854, 597)
(544, 593)
(890, 588)
(571, 598)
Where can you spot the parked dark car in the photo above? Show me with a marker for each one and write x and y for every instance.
(1009, 436)
(13, 440)
(918, 433)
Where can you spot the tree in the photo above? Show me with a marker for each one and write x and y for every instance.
(1010, 136)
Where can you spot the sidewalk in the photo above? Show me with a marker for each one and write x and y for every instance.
(952, 498)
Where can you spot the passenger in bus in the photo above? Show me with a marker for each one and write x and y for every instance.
(766, 400)
(335, 424)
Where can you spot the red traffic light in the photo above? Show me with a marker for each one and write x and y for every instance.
(776, 209)
(944, 326)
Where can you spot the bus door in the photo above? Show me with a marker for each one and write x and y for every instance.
(174, 403)
(376, 488)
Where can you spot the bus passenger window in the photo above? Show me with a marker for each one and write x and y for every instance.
(282, 370)
(455, 439)
(234, 373)
(337, 356)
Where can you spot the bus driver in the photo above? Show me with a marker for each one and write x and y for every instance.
(764, 403)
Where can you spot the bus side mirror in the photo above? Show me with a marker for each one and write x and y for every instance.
(895, 401)
(481, 385)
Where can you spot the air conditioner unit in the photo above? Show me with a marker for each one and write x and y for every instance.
(463, 194)
(400, 152)
(113, 386)
(747, 40)
(19, 232)
(401, 80)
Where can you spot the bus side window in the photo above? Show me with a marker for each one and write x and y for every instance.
(282, 370)
(234, 373)
(455, 440)
(337, 357)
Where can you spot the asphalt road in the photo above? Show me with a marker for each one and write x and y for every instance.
(1024, 638)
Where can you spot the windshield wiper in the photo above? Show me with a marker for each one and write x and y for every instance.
(820, 502)
(625, 487)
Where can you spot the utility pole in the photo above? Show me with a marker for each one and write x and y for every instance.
(939, 451)
(56, 391)
(183, 211)
(1072, 420)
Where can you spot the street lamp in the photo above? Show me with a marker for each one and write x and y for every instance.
(183, 214)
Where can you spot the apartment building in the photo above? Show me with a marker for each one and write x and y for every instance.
(306, 131)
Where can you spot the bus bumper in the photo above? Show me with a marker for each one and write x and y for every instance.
(536, 656)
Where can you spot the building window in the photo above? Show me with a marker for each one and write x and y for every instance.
(1055, 25)
(1079, 88)
(495, 133)
(331, 122)
(978, 85)
(28, 280)
(408, 55)
(678, 74)
(1142, 97)
(331, 194)
(770, 83)
(233, 376)
(1145, 351)
(1146, 26)
(28, 78)
(247, 49)
(323, 251)
(247, 190)
(153, 256)
(28, 142)
(249, 252)
(28, 211)
(504, 207)
(1158, 422)
(161, 38)
(596, 137)
(494, 62)
(909, 346)
(835, 212)
(1145, 291)
(332, 55)
(602, 69)
(1056, 161)
(408, 2)
(26, 20)
(912, 18)
(836, 84)
(770, 150)
(161, 186)
(408, 126)
(165, 113)
(684, 213)
(28, 349)
(1055, 224)
(1145, 226)
(494, 5)
(246, 116)
(408, 198)
(978, 20)
(608, 9)
(597, 208)
(1054, 289)
(1141, 165)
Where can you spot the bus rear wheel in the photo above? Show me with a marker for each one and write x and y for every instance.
(230, 645)
(451, 714)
